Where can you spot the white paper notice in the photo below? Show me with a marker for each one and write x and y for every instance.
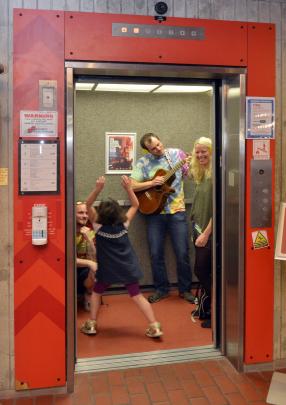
(261, 149)
(38, 167)
(260, 117)
(38, 123)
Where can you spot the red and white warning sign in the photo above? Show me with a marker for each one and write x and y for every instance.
(261, 149)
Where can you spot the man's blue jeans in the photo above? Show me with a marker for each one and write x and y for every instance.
(157, 228)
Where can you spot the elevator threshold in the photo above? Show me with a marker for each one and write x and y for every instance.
(146, 359)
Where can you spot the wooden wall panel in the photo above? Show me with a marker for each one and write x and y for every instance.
(6, 275)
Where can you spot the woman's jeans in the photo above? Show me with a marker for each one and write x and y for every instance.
(157, 228)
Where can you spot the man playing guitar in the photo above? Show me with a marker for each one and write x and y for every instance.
(157, 180)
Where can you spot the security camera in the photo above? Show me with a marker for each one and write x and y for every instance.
(160, 8)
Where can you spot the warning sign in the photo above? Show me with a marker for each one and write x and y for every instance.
(261, 149)
(260, 239)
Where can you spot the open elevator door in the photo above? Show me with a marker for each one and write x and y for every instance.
(230, 94)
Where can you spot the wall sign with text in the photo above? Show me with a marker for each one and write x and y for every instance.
(260, 117)
(39, 167)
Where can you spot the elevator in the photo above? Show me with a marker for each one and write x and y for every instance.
(235, 66)
(228, 94)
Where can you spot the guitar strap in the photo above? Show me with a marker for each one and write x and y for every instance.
(168, 157)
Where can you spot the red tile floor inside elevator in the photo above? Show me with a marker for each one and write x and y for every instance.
(205, 382)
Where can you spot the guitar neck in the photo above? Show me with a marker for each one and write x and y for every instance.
(174, 169)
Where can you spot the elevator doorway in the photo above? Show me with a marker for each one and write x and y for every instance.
(226, 90)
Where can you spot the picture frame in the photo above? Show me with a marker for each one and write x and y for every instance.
(120, 150)
(280, 249)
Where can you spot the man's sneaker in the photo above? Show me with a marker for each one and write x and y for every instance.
(157, 296)
(154, 330)
(188, 297)
(89, 327)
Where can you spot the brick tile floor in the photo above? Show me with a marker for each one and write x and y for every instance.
(206, 382)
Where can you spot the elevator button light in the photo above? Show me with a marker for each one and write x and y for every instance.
(261, 171)
(124, 29)
(265, 200)
(265, 191)
(136, 30)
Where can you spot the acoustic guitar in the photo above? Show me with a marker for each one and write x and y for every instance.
(153, 199)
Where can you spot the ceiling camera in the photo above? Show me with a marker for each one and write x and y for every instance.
(161, 8)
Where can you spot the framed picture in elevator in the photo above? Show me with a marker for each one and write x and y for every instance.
(119, 152)
(280, 249)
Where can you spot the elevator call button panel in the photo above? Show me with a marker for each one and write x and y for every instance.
(155, 31)
(261, 196)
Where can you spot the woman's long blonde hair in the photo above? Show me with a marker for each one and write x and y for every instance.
(197, 171)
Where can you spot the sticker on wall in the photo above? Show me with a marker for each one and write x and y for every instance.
(260, 117)
(261, 149)
(3, 176)
(38, 124)
(260, 239)
(48, 95)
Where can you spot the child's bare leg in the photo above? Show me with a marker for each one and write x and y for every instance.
(145, 307)
(95, 302)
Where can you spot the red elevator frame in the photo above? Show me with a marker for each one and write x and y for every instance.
(43, 41)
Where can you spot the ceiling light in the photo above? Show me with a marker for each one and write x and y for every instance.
(84, 86)
(125, 87)
(182, 89)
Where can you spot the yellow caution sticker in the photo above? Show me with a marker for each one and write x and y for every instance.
(260, 239)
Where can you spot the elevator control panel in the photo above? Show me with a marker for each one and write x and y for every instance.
(261, 196)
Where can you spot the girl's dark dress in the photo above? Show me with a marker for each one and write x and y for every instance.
(117, 261)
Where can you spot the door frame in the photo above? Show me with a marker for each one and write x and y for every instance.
(224, 76)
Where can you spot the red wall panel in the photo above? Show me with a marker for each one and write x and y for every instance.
(89, 37)
(39, 270)
(259, 264)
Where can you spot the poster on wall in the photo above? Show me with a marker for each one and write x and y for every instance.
(260, 117)
(280, 249)
(39, 167)
(119, 152)
(38, 124)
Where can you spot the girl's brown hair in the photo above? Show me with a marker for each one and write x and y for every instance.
(109, 212)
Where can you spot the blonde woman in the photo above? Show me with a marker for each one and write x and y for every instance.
(201, 217)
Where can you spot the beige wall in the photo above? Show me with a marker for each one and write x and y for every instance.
(178, 119)
(273, 11)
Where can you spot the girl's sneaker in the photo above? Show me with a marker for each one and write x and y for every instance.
(89, 327)
(154, 330)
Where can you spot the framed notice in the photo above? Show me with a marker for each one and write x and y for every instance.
(39, 167)
(119, 152)
(280, 249)
(260, 117)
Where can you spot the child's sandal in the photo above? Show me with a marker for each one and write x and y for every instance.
(154, 330)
